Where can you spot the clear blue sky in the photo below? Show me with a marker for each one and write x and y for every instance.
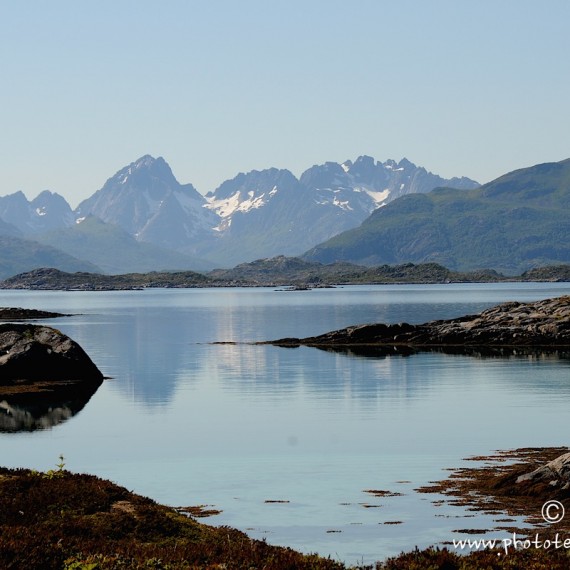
(474, 88)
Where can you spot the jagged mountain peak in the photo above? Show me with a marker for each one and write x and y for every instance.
(365, 161)
(46, 211)
(405, 163)
(147, 160)
(145, 199)
(253, 181)
(327, 175)
(17, 197)
(48, 197)
(143, 172)
(248, 192)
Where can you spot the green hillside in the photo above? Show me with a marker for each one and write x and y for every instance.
(517, 222)
(114, 250)
(19, 255)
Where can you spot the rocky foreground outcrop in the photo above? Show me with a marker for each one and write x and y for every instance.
(31, 353)
(555, 473)
(539, 324)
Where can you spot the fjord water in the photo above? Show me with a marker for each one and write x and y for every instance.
(286, 441)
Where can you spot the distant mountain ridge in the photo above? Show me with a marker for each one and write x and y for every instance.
(271, 212)
(363, 212)
(45, 212)
(518, 221)
(258, 214)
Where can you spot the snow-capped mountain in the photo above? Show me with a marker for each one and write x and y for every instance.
(360, 186)
(248, 192)
(260, 213)
(366, 185)
(147, 201)
(255, 215)
(271, 212)
(45, 212)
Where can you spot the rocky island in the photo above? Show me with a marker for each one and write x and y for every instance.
(19, 314)
(540, 324)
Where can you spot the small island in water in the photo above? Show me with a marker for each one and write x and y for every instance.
(540, 324)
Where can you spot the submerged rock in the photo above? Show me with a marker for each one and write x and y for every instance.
(30, 353)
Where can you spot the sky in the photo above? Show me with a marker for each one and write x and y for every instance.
(471, 88)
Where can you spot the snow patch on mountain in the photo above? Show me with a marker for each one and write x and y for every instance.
(379, 197)
(255, 214)
(241, 201)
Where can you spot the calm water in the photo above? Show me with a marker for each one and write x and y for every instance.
(235, 426)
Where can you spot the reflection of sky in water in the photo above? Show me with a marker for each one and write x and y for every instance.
(187, 422)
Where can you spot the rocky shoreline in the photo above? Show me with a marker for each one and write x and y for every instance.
(513, 483)
(540, 324)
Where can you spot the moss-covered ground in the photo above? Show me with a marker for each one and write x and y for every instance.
(60, 520)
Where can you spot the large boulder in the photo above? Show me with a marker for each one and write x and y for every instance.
(31, 353)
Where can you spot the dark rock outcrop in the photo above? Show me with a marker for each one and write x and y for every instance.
(539, 324)
(31, 353)
(18, 314)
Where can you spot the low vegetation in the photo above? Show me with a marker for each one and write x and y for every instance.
(59, 520)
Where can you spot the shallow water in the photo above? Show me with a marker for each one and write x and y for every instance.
(235, 426)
